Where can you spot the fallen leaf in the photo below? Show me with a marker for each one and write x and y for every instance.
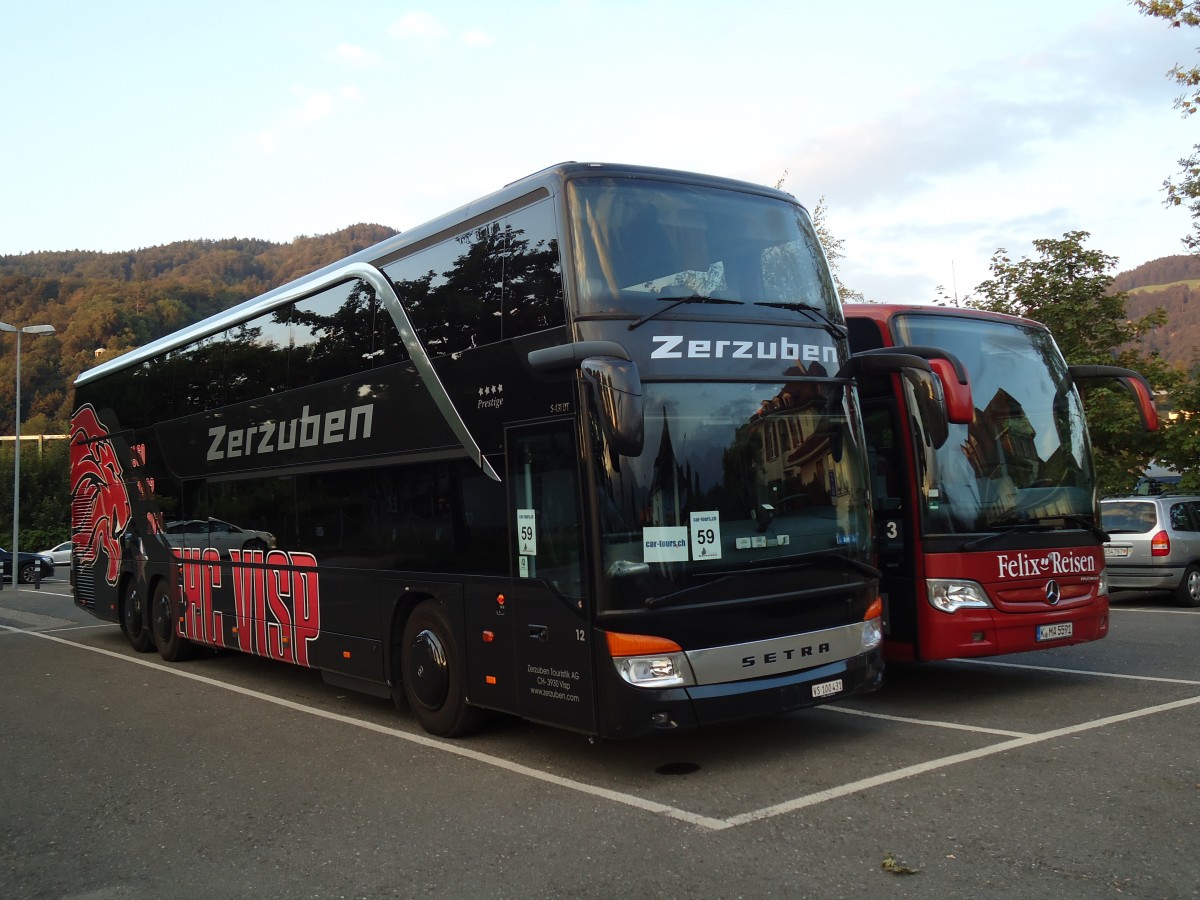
(893, 865)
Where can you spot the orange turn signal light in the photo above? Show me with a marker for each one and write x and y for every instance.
(875, 610)
(639, 644)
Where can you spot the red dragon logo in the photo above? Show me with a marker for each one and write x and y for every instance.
(100, 507)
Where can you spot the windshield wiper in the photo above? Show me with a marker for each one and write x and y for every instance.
(1099, 533)
(1044, 524)
(692, 298)
(838, 331)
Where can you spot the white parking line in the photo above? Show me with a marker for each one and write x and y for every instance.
(1169, 612)
(1007, 665)
(641, 803)
(420, 739)
(933, 765)
(931, 723)
(34, 592)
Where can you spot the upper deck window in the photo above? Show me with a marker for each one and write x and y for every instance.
(497, 281)
(640, 243)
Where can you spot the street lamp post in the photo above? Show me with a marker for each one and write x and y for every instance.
(28, 329)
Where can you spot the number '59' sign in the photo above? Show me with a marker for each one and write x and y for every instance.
(706, 535)
(526, 532)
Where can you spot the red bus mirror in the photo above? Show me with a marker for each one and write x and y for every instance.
(1132, 381)
(960, 405)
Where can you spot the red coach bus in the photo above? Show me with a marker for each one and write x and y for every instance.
(988, 532)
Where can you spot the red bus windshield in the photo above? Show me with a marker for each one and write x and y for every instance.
(1025, 458)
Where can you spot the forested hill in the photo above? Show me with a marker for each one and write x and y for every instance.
(1172, 283)
(102, 304)
(250, 264)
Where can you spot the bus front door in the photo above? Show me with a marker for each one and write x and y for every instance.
(549, 606)
(893, 529)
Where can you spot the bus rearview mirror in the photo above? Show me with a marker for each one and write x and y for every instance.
(617, 389)
(1134, 382)
(960, 405)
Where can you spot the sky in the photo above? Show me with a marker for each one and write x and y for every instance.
(934, 133)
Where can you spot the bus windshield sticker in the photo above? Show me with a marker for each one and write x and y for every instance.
(527, 531)
(665, 544)
(706, 535)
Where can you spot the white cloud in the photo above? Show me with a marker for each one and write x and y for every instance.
(418, 26)
(426, 29)
(355, 56)
(477, 38)
(312, 108)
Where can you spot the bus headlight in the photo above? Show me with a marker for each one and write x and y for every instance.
(872, 633)
(647, 661)
(950, 596)
(672, 670)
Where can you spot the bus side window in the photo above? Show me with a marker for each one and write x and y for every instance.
(533, 290)
(332, 334)
(451, 291)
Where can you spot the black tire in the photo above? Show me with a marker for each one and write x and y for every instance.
(1188, 592)
(255, 544)
(434, 674)
(29, 572)
(135, 619)
(171, 645)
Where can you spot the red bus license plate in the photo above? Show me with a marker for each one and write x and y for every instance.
(1054, 632)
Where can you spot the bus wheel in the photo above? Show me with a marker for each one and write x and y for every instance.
(171, 645)
(133, 619)
(434, 674)
(1188, 592)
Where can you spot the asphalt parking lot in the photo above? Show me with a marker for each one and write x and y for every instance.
(1071, 773)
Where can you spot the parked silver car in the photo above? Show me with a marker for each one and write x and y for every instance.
(1154, 546)
(60, 554)
(218, 534)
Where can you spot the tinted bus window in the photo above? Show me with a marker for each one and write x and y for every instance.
(199, 376)
(498, 281)
(333, 334)
(533, 294)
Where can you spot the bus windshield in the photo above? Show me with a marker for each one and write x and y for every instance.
(642, 245)
(734, 477)
(1025, 459)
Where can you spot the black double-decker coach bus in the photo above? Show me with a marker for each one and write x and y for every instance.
(586, 451)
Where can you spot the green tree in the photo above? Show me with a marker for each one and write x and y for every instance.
(1068, 288)
(1184, 190)
(833, 251)
(833, 245)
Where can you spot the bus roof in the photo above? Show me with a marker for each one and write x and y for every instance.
(514, 195)
(883, 312)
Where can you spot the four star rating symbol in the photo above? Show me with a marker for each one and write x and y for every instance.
(491, 389)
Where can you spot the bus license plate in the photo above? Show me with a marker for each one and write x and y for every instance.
(1054, 632)
(827, 688)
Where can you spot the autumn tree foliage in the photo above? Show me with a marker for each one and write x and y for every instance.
(1184, 189)
(103, 304)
